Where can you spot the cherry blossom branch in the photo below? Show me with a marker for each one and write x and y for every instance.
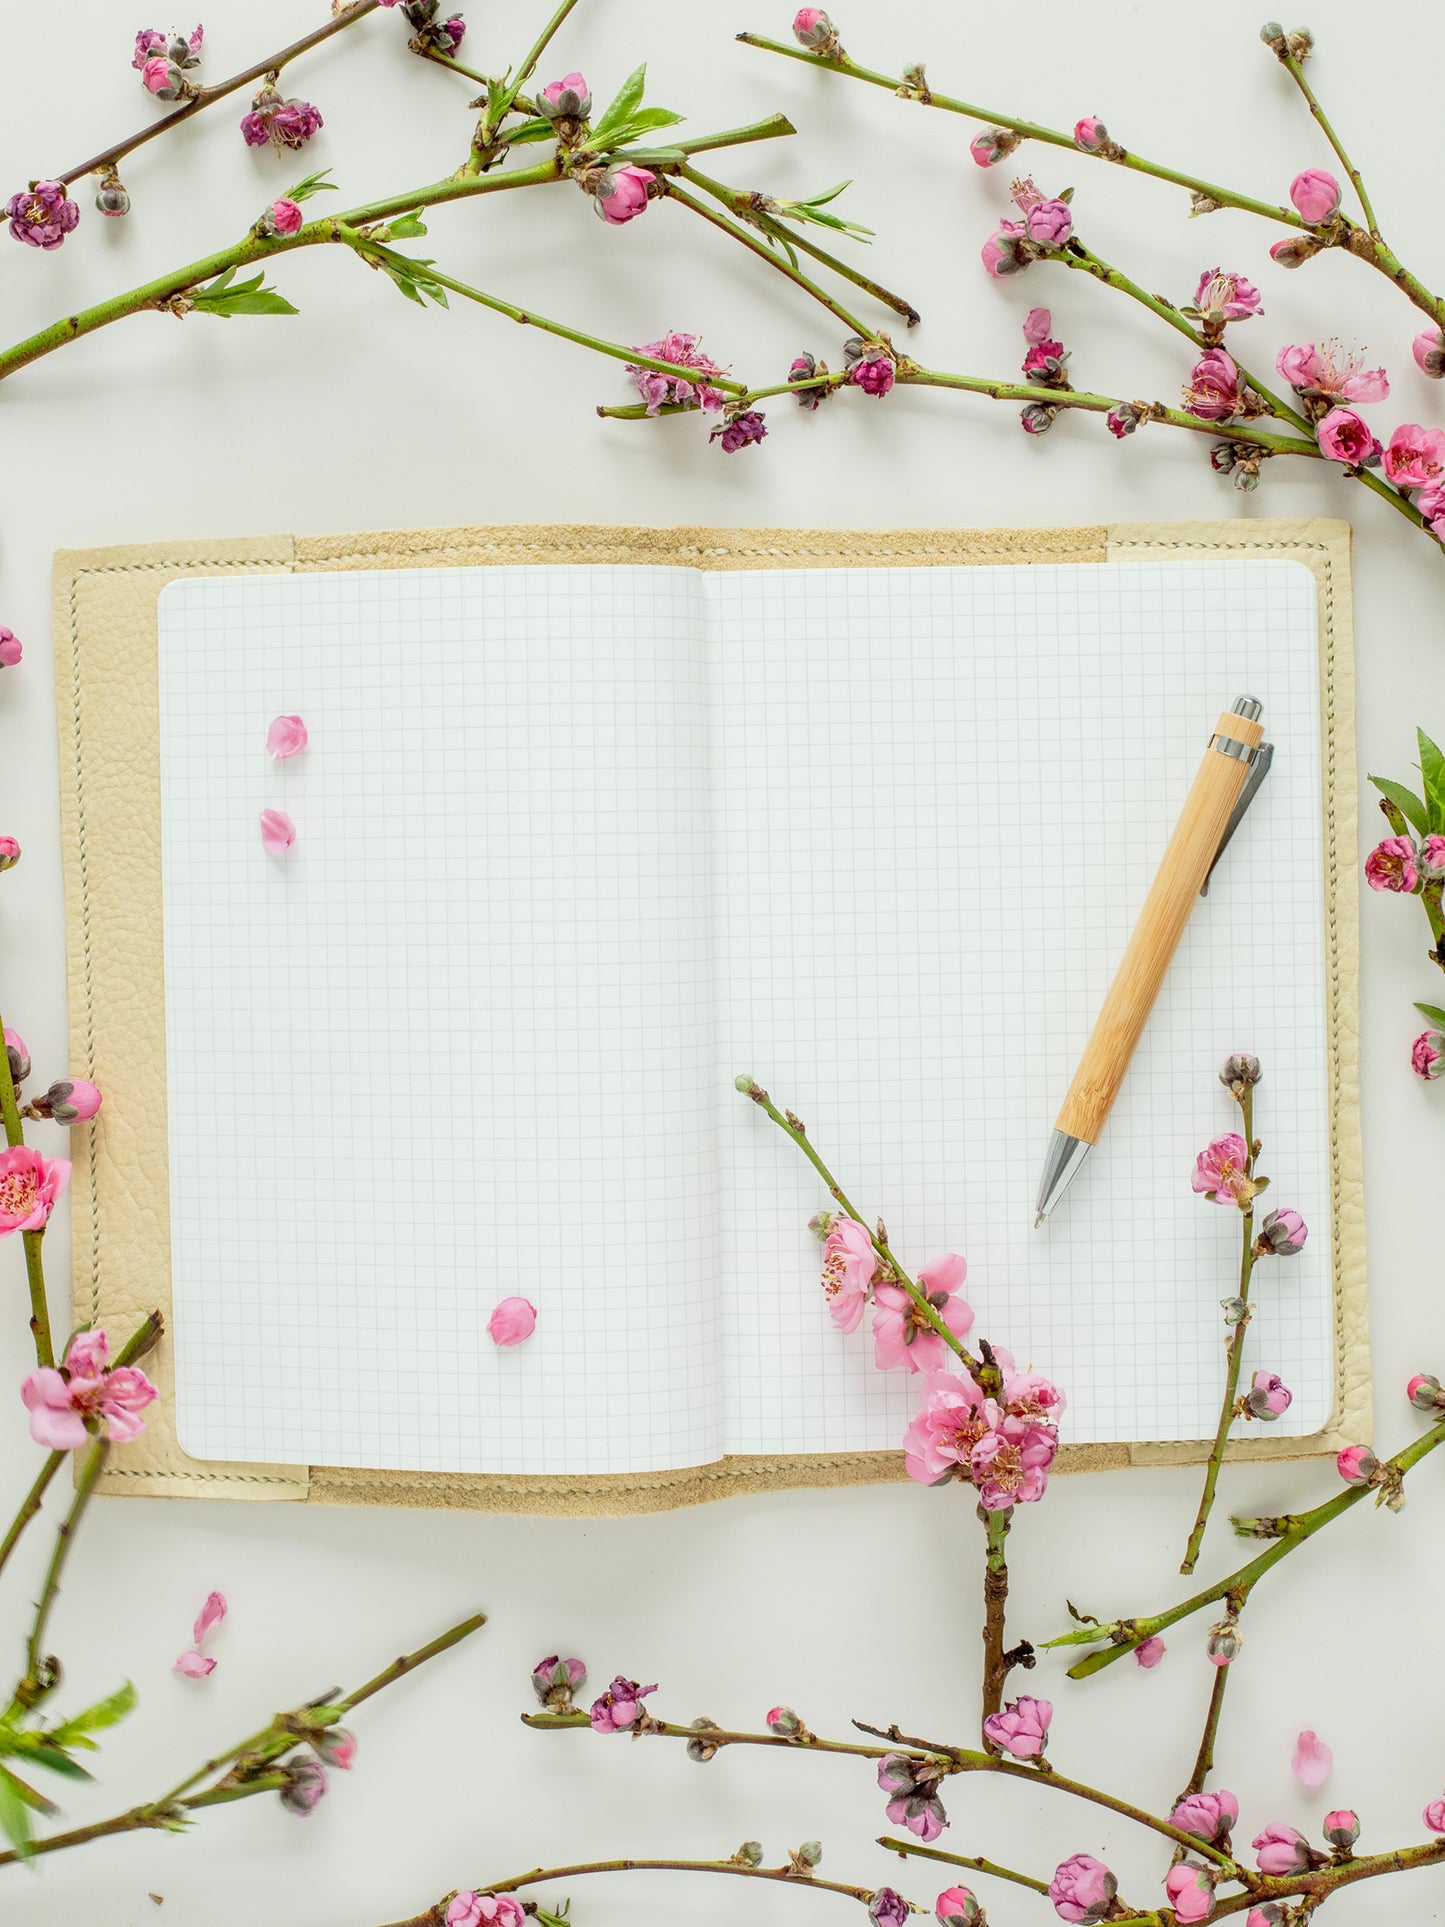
(1295, 70)
(760, 248)
(915, 1850)
(205, 97)
(502, 97)
(434, 1915)
(42, 1674)
(1204, 1758)
(1124, 1635)
(34, 1262)
(794, 1128)
(995, 1602)
(1235, 1349)
(249, 1768)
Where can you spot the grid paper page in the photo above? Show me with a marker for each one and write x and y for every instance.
(942, 795)
(456, 1045)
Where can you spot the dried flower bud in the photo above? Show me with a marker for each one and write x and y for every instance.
(71, 1100)
(1037, 417)
(810, 1853)
(1357, 1465)
(1235, 1310)
(1271, 33)
(750, 1854)
(1300, 43)
(1223, 1644)
(1239, 1073)
(888, 1908)
(702, 1750)
(1282, 1234)
(17, 1056)
(305, 1785)
(336, 1746)
(554, 1680)
(804, 368)
(1203, 204)
(1424, 1393)
(110, 197)
(1246, 476)
(1221, 458)
(1342, 1828)
(9, 852)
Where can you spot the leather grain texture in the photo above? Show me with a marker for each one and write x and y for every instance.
(105, 641)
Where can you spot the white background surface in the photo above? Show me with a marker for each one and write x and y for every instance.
(365, 413)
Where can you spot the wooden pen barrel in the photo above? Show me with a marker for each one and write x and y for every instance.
(1172, 896)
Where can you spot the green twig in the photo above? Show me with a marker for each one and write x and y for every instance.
(40, 1677)
(914, 1850)
(765, 253)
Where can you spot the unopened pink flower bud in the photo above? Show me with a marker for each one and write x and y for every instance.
(1427, 1055)
(813, 29)
(305, 1785)
(285, 217)
(1294, 252)
(1429, 352)
(1392, 865)
(783, 1721)
(1082, 1889)
(1149, 1652)
(1239, 1072)
(1090, 134)
(111, 198)
(957, 1907)
(1270, 1914)
(1316, 195)
(336, 1746)
(1123, 420)
(1268, 1396)
(1281, 1850)
(162, 77)
(1342, 1827)
(1424, 1393)
(888, 1908)
(10, 649)
(1283, 1233)
(71, 1100)
(1022, 1728)
(287, 736)
(1222, 1646)
(9, 852)
(1434, 1816)
(1191, 1892)
(701, 1748)
(1357, 1465)
(569, 98)
(17, 1056)
(1208, 1816)
(620, 194)
(993, 145)
(1432, 857)
(1037, 417)
(555, 1680)
(514, 1320)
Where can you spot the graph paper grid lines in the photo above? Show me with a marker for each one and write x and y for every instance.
(575, 845)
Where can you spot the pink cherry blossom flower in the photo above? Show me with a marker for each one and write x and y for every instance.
(278, 832)
(1213, 391)
(1434, 1816)
(740, 431)
(621, 194)
(1030, 1395)
(1191, 1892)
(284, 123)
(1224, 297)
(42, 216)
(555, 1680)
(1219, 1170)
(1047, 222)
(1281, 1850)
(620, 1707)
(888, 1908)
(1022, 1728)
(1429, 352)
(1345, 437)
(10, 648)
(1312, 1759)
(29, 1186)
(1082, 1889)
(675, 391)
(287, 736)
(569, 98)
(901, 1333)
(512, 1321)
(1325, 369)
(1316, 195)
(1010, 1464)
(1150, 1651)
(914, 1801)
(1415, 456)
(1090, 134)
(1391, 865)
(1268, 1396)
(484, 1910)
(86, 1387)
(1208, 1816)
(950, 1422)
(873, 373)
(147, 42)
(1357, 1465)
(848, 1267)
(1427, 1055)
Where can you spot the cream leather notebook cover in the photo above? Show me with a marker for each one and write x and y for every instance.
(591, 819)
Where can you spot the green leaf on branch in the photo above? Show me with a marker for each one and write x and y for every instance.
(1434, 1014)
(107, 1712)
(316, 183)
(226, 296)
(410, 275)
(625, 105)
(530, 130)
(1405, 801)
(642, 122)
(17, 1802)
(1432, 769)
(406, 227)
(649, 156)
(40, 1751)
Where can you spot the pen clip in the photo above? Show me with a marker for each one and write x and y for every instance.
(1258, 770)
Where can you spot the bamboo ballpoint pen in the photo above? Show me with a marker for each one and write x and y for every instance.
(1234, 765)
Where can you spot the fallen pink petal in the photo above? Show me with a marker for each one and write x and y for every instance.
(210, 1615)
(287, 736)
(513, 1321)
(278, 832)
(194, 1666)
(1312, 1759)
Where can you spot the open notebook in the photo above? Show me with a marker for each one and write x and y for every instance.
(576, 844)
